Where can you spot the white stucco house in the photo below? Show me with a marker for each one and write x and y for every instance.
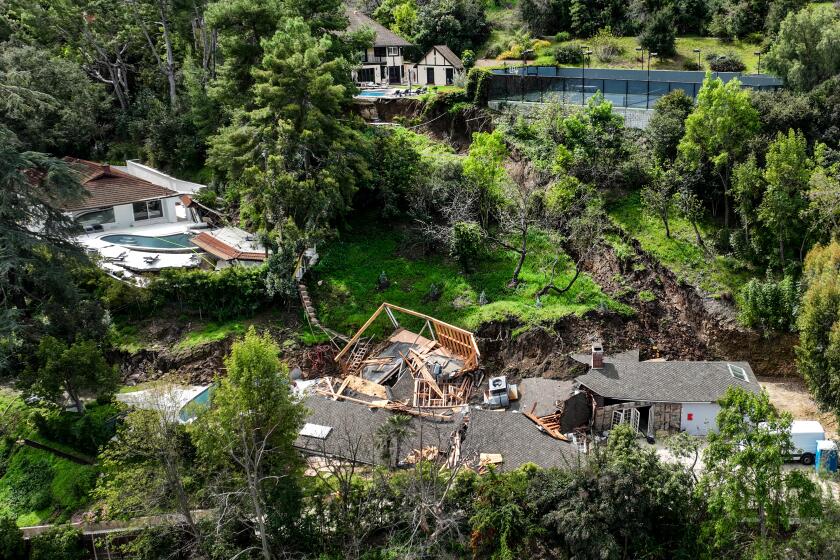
(439, 67)
(657, 395)
(116, 199)
(381, 64)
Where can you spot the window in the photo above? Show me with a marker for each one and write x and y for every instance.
(379, 52)
(96, 217)
(393, 51)
(366, 75)
(738, 372)
(147, 210)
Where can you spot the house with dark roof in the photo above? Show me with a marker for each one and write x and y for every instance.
(116, 199)
(659, 395)
(382, 63)
(438, 67)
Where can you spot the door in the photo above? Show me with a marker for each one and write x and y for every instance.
(634, 419)
(394, 74)
(430, 76)
(450, 76)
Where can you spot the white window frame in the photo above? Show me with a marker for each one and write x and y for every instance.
(393, 51)
(738, 372)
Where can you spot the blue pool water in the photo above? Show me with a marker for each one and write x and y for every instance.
(200, 402)
(176, 241)
(373, 93)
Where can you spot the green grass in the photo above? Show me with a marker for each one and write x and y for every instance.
(350, 269)
(126, 338)
(630, 58)
(714, 275)
(211, 332)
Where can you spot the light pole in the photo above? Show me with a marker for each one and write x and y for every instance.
(697, 52)
(641, 52)
(647, 99)
(584, 52)
(758, 53)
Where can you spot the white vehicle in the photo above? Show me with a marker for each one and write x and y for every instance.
(804, 435)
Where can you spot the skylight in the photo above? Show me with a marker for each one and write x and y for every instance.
(738, 372)
(315, 431)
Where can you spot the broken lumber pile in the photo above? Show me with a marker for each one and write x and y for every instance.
(549, 423)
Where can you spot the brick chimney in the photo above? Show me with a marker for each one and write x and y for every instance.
(597, 355)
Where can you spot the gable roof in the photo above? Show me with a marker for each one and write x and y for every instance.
(516, 439)
(108, 186)
(384, 37)
(677, 382)
(449, 56)
(230, 243)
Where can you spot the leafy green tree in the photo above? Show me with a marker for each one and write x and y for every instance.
(818, 353)
(145, 467)
(73, 369)
(805, 51)
(459, 24)
(544, 17)
(659, 30)
(248, 434)
(500, 519)
(657, 198)
(749, 492)
(667, 125)
(63, 120)
(769, 305)
(823, 212)
(484, 168)
(468, 58)
(748, 186)
(467, 243)
(61, 542)
(11, 539)
(787, 174)
(689, 206)
(405, 19)
(294, 154)
(718, 130)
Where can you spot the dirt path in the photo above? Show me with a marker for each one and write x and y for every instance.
(791, 395)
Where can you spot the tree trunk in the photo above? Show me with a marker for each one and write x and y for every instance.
(667, 227)
(782, 251)
(174, 479)
(699, 238)
(523, 251)
(170, 56)
(552, 288)
(77, 401)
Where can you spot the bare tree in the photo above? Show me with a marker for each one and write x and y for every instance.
(167, 67)
(584, 232)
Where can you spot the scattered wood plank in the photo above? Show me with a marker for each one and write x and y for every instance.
(361, 385)
(341, 388)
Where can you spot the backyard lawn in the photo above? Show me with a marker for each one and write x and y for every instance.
(348, 292)
(714, 275)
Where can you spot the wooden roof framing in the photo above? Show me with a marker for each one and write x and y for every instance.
(455, 339)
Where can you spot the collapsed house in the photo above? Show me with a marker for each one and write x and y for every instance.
(655, 396)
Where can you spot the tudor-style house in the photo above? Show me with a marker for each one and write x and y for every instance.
(438, 67)
(383, 63)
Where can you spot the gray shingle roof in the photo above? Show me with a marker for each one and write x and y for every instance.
(384, 36)
(353, 434)
(543, 392)
(666, 381)
(450, 56)
(517, 439)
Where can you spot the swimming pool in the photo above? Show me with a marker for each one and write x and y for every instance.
(176, 242)
(201, 401)
(375, 93)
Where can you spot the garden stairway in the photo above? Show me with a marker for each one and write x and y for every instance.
(309, 310)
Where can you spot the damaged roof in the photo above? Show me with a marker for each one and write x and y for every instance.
(516, 439)
(676, 382)
(231, 243)
(354, 426)
(544, 393)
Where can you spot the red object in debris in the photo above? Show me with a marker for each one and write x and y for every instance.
(690, 416)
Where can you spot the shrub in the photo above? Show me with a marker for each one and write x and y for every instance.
(11, 539)
(231, 292)
(478, 86)
(606, 45)
(85, 432)
(58, 543)
(769, 305)
(466, 243)
(726, 62)
(494, 50)
(568, 54)
(754, 38)
(540, 44)
(562, 37)
(468, 58)
(647, 296)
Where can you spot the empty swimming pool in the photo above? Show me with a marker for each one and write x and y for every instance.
(176, 242)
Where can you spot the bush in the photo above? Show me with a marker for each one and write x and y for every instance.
(467, 243)
(86, 432)
(562, 37)
(231, 292)
(726, 62)
(468, 58)
(769, 305)
(494, 50)
(59, 543)
(568, 54)
(606, 45)
(478, 86)
(11, 539)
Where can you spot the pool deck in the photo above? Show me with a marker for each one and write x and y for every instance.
(124, 263)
